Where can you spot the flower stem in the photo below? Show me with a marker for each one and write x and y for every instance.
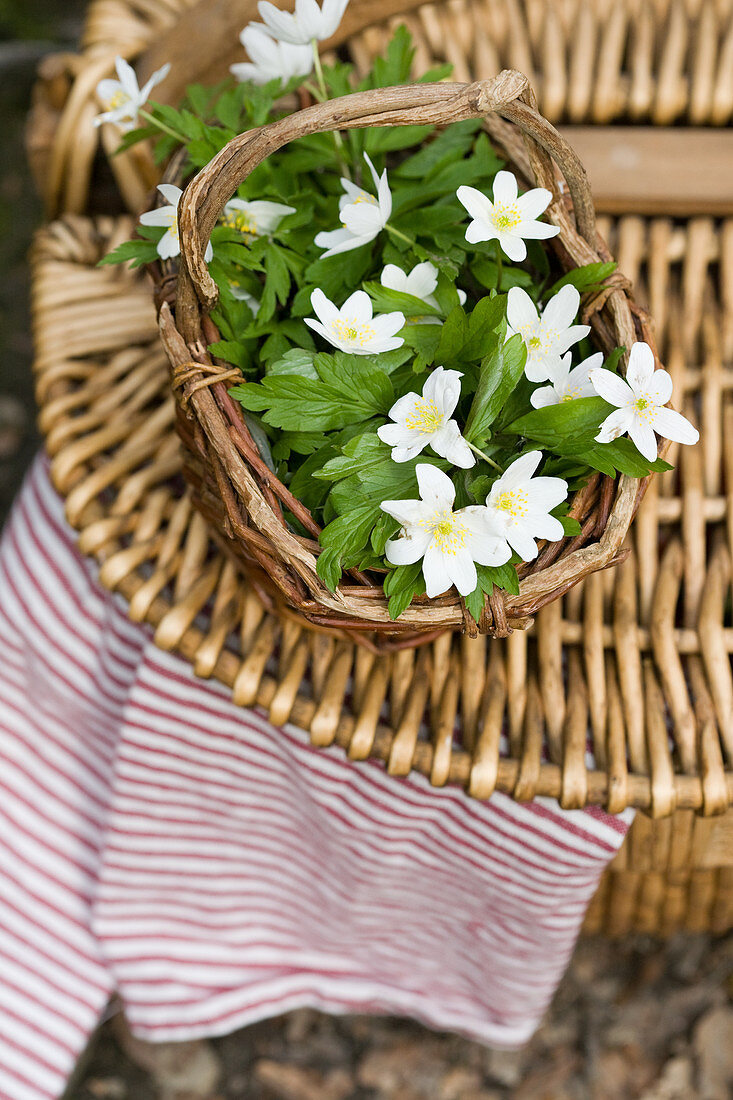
(498, 267)
(162, 126)
(485, 457)
(397, 233)
(338, 140)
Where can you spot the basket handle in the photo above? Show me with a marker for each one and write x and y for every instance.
(507, 94)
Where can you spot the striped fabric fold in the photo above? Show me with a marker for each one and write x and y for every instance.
(216, 870)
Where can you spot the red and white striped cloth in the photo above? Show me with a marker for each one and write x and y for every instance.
(214, 870)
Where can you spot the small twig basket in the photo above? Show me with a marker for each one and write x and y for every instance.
(239, 494)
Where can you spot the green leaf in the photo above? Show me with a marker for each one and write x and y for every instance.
(358, 456)
(401, 586)
(386, 300)
(453, 336)
(328, 567)
(568, 427)
(231, 351)
(503, 576)
(388, 139)
(500, 373)
(589, 277)
(484, 322)
(277, 282)
(295, 361)
(450, 146)
(137, 252)
(570, 526)
(475, 602)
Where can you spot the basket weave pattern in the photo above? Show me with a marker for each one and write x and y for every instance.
(658, 617)
(237, 492)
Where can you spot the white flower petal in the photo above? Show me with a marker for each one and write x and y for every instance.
(336, 241)
(407, 512)
(643, 436)
(612, 388)
(562, 308)
(544, 396)
(409, 548)
(522, 543)
(162, 215)
(641, 366)
(422, 280)
(359, 306)
(168, 246)
(394, 278)
(362, 220)
(520, 309)
(478, 231)
(570, 336)
(462, 571)
(323, 308)
(673, 425)
(436, 488)
(533, 203)
(449, 443)
(505, 187)
(435, 572)
(444, 388)
(616, 423)
(475, 202)
(513, 246)
(545, 493)
(519, 471)
(387, 325)
(659, 387)
(170, 193)
(537, 231)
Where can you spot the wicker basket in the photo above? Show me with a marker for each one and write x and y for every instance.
(232, 485)
(660, 622)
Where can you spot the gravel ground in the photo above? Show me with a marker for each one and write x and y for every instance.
(632, 1020)
(636, 1020)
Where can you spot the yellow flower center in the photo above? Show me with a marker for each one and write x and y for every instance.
(449, 533)
(570, 395)
(534, 342)
(118, 99)
(506, 215)
(514, 502)
(366, 197)
(427, 417)
(346, 328)
(242, 221)
(644, 407)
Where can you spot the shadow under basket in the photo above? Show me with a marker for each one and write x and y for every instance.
(239, 494)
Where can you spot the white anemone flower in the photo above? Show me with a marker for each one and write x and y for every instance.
(449, 543)
(353, 328)
(270, 59)
(253, 219)
(510, 218)
(425, 421)
(307, 23)
(420, 283)
(567, 384)
(169, 244)
(546, 336)
(363, 215)
(123, 97)
(640, 404)
(520, 505)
